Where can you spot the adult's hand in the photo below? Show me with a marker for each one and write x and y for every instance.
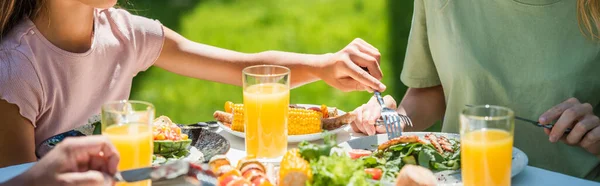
(75, 161)
(355, 67)
(578, 116)
(367, 115)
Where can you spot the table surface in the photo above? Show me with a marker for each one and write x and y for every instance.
(531, 176)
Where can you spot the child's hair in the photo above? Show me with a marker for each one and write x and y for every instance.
(12, 12)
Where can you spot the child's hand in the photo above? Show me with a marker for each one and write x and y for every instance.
(344, 69)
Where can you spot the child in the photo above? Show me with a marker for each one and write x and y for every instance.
(60, 60)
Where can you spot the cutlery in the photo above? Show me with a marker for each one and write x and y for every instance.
(536, 123)
(391, 119)
(200, 172)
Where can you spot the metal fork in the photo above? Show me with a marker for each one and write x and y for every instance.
(391, 119)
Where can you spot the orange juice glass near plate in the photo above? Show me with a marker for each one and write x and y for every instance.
(266, 104)
(128, 125)
(486, 145)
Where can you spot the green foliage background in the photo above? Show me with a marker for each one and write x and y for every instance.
(304, 26)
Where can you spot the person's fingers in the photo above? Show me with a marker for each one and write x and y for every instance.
(369, 128)
(591, 139)
(85, 147)
(364, 60)
(369, 50)
(390, 102)
(88, 178)
(361, 41)
(348, 84)
(359, 120)
(555, 112)
(588, 123)
(380, 129)
(547, 131)
(569, 117)
(362, 76)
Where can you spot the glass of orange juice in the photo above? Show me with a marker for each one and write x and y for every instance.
(486, 134)
(128, 125)
(266, 104)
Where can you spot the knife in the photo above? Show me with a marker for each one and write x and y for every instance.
(172, 170)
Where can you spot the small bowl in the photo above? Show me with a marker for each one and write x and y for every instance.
(51, 142)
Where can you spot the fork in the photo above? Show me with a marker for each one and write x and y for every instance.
(391, 119)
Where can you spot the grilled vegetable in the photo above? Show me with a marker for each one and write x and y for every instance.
(300, 121)
(217, 161)
(303, 121)
(294, 170)
(237, 124)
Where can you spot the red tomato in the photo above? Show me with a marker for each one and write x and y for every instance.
(357, 153)
(374, 172)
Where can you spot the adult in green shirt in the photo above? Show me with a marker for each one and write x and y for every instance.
(537, 57)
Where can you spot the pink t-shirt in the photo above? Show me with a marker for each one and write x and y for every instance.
(59, 90)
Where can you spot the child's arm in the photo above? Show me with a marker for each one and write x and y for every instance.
(17, 142)
(340, 70)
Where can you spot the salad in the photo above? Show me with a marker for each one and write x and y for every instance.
(438, 154)
(170, 144)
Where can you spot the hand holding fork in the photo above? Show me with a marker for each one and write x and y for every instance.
(369, 116)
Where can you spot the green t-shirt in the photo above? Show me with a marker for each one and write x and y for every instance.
(528, 55)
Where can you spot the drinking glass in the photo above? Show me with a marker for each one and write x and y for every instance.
(266, 105)
(486, 134)
(128, 125)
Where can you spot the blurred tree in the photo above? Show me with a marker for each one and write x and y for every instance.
(400, 14)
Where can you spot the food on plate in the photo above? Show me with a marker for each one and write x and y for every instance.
(168, 138)
(249, 172)
(338, 169)
(217, 161)
(412, 175)
(437, 153)
(358, 153)
(398, 140)
(294, 170)
(171, 144)
(311, 151)
(300, 120)
(375, 173)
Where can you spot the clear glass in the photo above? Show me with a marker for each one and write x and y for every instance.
(266, 105)
(486, 145)
(128, 125)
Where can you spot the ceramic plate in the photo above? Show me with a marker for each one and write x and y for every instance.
(519, 159)
(206, 141)
(295, 138)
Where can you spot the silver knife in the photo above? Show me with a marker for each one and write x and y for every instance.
(172, 170)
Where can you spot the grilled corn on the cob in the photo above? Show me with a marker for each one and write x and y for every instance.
(300, 121)
(294, 170)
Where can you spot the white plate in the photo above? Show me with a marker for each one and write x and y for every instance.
(295, 138)
(519, 158)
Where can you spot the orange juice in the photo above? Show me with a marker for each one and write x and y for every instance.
(134, 143)
(265, 116)
(486, 157)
